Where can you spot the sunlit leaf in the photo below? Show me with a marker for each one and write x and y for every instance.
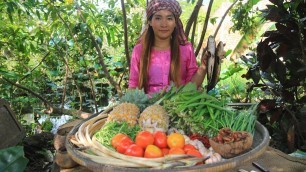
(228, 52)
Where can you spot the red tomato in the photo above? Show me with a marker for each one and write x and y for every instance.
(176, 151)
(194, 152)
(123, 144)
(160, 139)
(134, 150)
(116, 139)
(144, 138)
(188, 147)
(165, 151)
(153, 151)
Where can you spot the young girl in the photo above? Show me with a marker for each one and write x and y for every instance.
(163, 54)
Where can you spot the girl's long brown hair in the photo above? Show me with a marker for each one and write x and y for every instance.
(175, 68)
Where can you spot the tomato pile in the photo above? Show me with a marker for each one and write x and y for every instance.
(153, 145)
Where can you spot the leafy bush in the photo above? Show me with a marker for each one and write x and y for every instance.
(232, 86)
(279, 69)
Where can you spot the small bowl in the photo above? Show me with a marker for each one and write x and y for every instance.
(229, 150)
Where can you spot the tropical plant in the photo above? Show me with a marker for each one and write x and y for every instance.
(249, 23)
(278, 68)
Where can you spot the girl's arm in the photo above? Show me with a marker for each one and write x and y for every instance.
(199, 76)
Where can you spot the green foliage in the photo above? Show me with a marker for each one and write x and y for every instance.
(249, 23)
(187, 7)
(39, 41)
(244, 17)
(232, 86)
(278, 68)
(45, 46)
(12, 159)
(30, 129)
(47, 125)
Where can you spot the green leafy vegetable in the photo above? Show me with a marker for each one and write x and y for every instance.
(111, 128)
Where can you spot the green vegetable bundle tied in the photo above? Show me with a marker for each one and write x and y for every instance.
(197, 112)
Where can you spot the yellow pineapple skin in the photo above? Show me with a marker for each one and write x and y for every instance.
(128, 112)
(154, 118)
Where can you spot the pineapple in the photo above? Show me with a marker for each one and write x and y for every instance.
(137, 97)
(154, 118)
(124, 112)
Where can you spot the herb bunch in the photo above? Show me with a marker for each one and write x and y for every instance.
(111, 128)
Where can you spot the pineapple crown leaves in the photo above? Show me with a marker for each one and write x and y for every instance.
(137, 97)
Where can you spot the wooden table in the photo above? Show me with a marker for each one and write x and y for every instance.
(275, 160)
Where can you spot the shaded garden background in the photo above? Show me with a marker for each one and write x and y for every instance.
(72, 57)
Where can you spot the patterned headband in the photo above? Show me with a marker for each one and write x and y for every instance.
(157, 5)
(175, 8)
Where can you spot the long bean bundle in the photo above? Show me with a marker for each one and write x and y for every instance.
(242, 120)
(194, 111)
(197, 112)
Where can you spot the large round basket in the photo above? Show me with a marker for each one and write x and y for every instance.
(260, 143)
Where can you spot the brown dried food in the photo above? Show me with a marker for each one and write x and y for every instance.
(232, 149)
(228, 139)
(225, 131)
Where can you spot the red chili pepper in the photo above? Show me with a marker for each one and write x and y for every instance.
(203, 139)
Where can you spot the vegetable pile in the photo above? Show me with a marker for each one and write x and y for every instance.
(91, 149)
(197, 112)
(155, 145)
(182, 128)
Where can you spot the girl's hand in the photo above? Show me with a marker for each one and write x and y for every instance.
(204, 61)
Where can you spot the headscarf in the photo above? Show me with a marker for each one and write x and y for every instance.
(173, 6)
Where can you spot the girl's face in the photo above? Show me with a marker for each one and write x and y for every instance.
(163, 24)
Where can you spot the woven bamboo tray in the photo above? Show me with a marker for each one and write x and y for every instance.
(260, 143)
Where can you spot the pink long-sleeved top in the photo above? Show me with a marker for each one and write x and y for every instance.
(159, 69)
